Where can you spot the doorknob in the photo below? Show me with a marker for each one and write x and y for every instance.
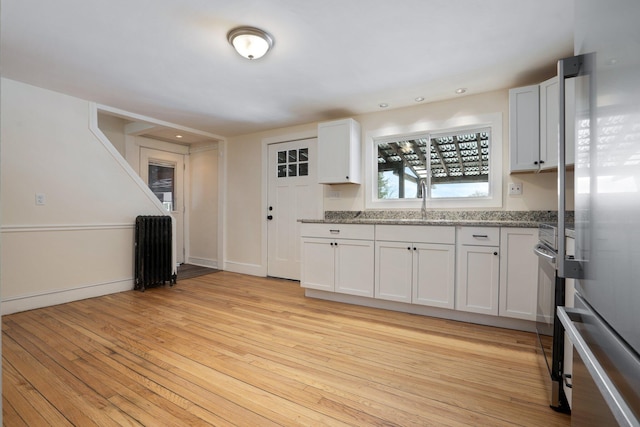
(269, 217)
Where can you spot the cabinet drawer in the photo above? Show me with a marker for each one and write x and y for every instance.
(479, 236)
(416, 233)
(338, 231)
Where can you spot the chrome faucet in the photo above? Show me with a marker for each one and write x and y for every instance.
(423, 190)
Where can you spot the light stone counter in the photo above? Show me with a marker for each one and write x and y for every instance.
(522, 219)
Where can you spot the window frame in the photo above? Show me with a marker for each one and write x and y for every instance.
(431, 129)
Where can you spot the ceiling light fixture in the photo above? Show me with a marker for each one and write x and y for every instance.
(461, 90)
(250, 42)
(384, 105)
(419, 99)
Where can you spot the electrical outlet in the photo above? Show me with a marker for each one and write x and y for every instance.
(515, 188)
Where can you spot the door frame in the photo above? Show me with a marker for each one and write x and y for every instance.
(185, 186)
(289, 137)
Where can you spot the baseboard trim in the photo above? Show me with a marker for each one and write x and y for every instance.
(250, 269)
(442, 313)
(203, 262)
(29, 302)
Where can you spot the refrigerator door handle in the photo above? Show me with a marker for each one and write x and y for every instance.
(569, 317)
(567, 68)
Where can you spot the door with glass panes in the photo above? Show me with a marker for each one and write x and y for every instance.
(163, 172)
(293, 193)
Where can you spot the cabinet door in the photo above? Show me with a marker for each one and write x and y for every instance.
(317, 264)
(354, 267)
(518, 273)
(478, 276)
(549, 117)
(549, 126)
(339, 152)
(394, 271)
(433, 275)
(524, 128)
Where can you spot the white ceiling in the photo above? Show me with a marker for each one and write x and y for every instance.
(170, 59)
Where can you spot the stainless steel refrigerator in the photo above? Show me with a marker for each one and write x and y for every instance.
(604, 326)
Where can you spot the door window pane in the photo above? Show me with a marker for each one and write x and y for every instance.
(162, 183)
(293, 163)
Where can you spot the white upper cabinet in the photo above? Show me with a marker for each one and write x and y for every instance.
(524, 128)
(533, 126)
(339, 152)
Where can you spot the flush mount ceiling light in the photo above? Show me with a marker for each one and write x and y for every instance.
(461, 90)
(250, 42)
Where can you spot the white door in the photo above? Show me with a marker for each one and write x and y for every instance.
(293, 193)
(163, 172)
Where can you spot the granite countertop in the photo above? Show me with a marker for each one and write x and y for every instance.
(522, 219)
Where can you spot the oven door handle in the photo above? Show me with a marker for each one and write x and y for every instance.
(543, 252)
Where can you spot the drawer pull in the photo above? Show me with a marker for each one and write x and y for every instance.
(334, 231)
(481, 236)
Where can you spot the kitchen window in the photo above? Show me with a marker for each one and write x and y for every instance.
(460, 166)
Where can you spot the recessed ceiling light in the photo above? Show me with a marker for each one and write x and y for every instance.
(419, 99)
(178, 136)
(383, 105)
(461, 90)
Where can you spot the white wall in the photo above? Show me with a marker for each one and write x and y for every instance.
(80, 242)
(203, 206)
(113, 129)
(245, 214)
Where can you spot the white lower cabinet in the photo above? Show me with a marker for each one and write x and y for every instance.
(487, 270)
(335, 264)
(518, 273)
(477, 283)
(417, 267)
(354, 267)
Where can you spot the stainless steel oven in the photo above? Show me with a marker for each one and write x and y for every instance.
(551, 293)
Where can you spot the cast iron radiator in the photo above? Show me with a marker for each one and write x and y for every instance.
(153, 252)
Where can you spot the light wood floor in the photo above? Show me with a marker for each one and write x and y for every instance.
(227, 349)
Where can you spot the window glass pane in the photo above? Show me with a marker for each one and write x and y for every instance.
(282, 171)
(303, 155)
(455, 164)
(282, 157)
(162, 183)
(460, 165)
(293, 169)
(303, 169)
(293, 156)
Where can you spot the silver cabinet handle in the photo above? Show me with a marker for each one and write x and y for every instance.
(481, 236)
(334, 231)
(544, 253)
